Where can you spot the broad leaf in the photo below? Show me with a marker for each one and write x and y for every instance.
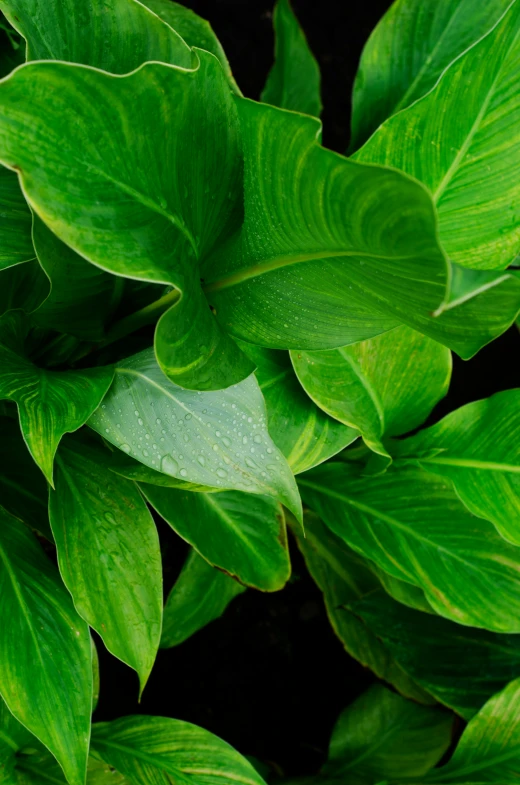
(408, 51)
(34, 766)
(468, 161)
(23, 489)
(15, 222)
(131, 197)
(200, 595)
(344, 577)
(413, 526)
(384, 736)
(218, 439)
(108, 554)
(294, 80)
(304, 434)
(489, 750)
(45, 654)
(377, 386)
(242, 534)
(460, 666)
(50, 403)
(162, 750)
(478, 448)
(80, 33)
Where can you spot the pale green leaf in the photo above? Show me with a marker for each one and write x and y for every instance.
(201, 594)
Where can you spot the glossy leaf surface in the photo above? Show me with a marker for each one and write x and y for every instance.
(414, 527)
(45, 655)
(377, 386)
(200, 595)
(294, 80)
(242, 534)
(159, 749)
(108, 554)
(219, 439)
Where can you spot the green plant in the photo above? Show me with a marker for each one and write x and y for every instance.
(304, 306)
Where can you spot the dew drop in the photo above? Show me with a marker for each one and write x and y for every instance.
(140, 421)
(183, 473)
(244, 440)
(187, 416)
(201, 460)
(226, 441)
(222, 473)
(257, 438)
(145, 453)
(158, 421)
(169, 465)
(126, 448)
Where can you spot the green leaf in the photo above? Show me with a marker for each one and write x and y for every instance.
(468, 161)
(200, 595)
(12, 51)
(23, 489)
(294, 80)
(162, 750)
(15, 222)
(45, 652)
(304, 434)
(408, 51)
(36, 767)
(345, 577)
(242, 534)
(460, 666)
(489, 750)
(50, 403)
(82, 297)
(64, 30)
(24, 286)
(13, 736)
(108, 554)
(126, 466)
(194, 30)
(218, 439)
(414, 527)
(117, 206)
(384, 736)
(478, 448)
(377, 386)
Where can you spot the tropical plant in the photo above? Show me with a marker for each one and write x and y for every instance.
(207, 314)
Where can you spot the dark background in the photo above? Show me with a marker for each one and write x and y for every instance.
(270, 677)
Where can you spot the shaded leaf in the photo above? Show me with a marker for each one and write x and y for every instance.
(242, 534)
(414, 527)
(158, 749)
(294, 80)
(36, 766)
(468, 161)
(108, 554)
(15, 222)
(45, 651)
(200, 595)
(13, 736)
(50, 403)
(24, 286)
(219, 439)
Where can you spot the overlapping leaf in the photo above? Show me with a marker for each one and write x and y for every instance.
(15, 222)
(24, 287)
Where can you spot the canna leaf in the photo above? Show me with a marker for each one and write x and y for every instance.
(413, 526)
(108, 554)
(200, 595)
(217, 439)
(50, 403)
(294, 80)
(45, 651)
(377, 386)
(243, 535)
(468, 160)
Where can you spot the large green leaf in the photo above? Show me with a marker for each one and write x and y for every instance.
(114, 35)
(50, 403)
(344, 577)
(242, 534)
(82, 297)
(200, 595)
(408, 51)
(414, 527)
(23, 489)
(15, 222)
(460, 666)
(108, 554)
(304, 434)
(218, 439)
(377, 386)
(469, 160)
(384, 736)
(162, 750)
(131, 196)
(489, 750)
(478, 448)
(45, 653)
(294, 80)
